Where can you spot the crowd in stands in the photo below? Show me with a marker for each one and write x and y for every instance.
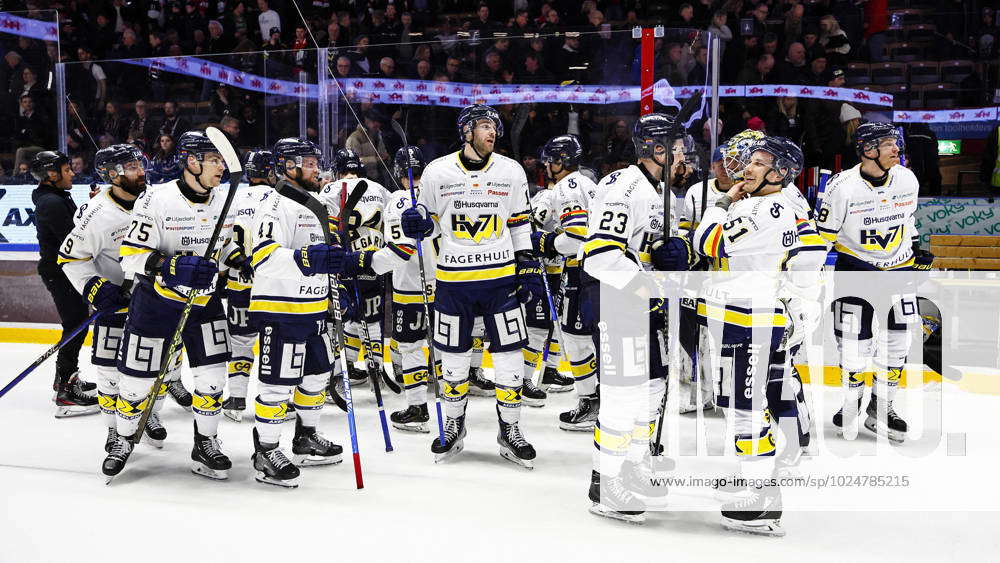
(824, 42)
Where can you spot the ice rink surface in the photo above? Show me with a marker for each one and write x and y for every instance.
(476, 507)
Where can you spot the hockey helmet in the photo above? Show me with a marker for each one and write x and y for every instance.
(115, 158)
(45, 162)
(734, 155)
(470, 115)
(294, 149)
(194, 143)
(787, 156)
(655, 129)
(259, 164)
(868, 136)
(563, 148)
(346, 160)
(409, 157)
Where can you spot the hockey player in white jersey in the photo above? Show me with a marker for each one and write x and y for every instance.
(258, 169)
(570, 201)
(171, 227)
(89, 257)
(365, 227)
(750, 232)
(867, 216)
(289, 299)
(479, 200)
(625, 232)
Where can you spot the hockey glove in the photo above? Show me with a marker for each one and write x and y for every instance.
(417, 222)
(104, 295)
(358, 263)
(240, 264)
(529, 280)
(543, 244)
(348, 306)
(674, 254)
(922, 259)
(320, 259)
(195, 272)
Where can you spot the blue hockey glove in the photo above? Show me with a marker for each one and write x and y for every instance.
(529, 281)
(674, 254)
(358, 263)
(348, 306)
(195, 272)
(543, 244)
(104, 295)
(417, 222)
(320, 259)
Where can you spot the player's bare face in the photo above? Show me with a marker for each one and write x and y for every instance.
(888, 152)
(758, 170)
(405, 182)
(484, 137)
(308, 173)
(212, 168)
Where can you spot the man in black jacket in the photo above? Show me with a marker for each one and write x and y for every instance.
(54, 210)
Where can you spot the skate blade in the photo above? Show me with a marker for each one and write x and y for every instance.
(71, 411)
(558, 388)
(767, 527)
(601, 510)
(260, 477)
(108, 479)
(306, 460)
(509, 456)
(205, 471)
(158, 444)
(455, 450)
(476, 392)
(880, 429)
(420, 427)
(534, 403)
(577, 427)
(234, 415)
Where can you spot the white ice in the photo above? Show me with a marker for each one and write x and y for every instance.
(477, 507)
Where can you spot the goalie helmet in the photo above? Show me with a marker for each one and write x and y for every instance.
(734, 155)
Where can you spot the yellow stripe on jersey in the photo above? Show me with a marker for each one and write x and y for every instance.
(167, 293)
(128, 249)
(263, 251)
(599, 244)
(572, 263)
(553, 269)
(234, 285)
(288, 307)
(475, 275)
(63, 259)
(409, 298)
(732, 317)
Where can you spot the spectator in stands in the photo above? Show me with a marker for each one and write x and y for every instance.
(173, 124)
(699, 72)
(673, 65)
(810, 40)
(617, 146)
(223, 101)
(218, 41)
(237, 21)
(11, 73)
(89, 82)
(274, 43)
(231, 126)
(571, 60)
(30, 129)
(522, 24)
(783, 116)
(922, 157)
(131, 78)
(251, 129)
(361, 55)
(987, 35)
(834, 41)
(817, 69)
(141, 126)
(793, 70)
(387, 67)
(113, 123)
(424, 71)
(759, 15)
(794, 21)
(359, 142)
(344, 67)
(31, 87)
(81, 172)
(770, 44)
(482, 22)
(719, 28)
(850, 119)
(268, 19)
(824, 135)
(533, 72)
(164, 166)
(23, 175)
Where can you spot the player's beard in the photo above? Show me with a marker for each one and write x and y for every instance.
(308, 184)
(134, 187)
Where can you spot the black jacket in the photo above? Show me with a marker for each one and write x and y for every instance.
(54, 209)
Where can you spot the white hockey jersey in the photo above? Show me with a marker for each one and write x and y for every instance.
(690, 215)
(752, 240)
(281, 292)
(91, 248)
(872, 224)
(483, 217)
(624, 222)
(365, 224)
(245, 204)
(546, 219)
(399, 254)
(572, 198)
(164, 220)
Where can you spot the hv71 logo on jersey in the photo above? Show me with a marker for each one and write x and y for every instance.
(476, 227)
(873, 239)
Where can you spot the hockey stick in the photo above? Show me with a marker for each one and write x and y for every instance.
(229, 155)
(431, 358)
(553, 316)
(48, 353)
(321, 213)
(360, 188)
(672, 321)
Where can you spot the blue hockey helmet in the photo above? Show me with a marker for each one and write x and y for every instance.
(788, 159)
(258, 164)
(115, 157)
(470, 115)
(346, 160)
(563, 148)
(408, 157)
(294, 149)
(655, 129)
(868, 136)
(194, 143)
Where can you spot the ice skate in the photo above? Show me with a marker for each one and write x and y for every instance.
(454, 434)
(179, 394)
(583, 417)
(155, 433)
(532, 396)
(310, 448)
(209, 461)
(272, 466)
(479, 386)
(555, 382)
(72, 401)
(412, 419)
(233, 408)
(110, 440)
(514, 447)
(614, 500)
(888, 424)
(846, 419)
(759, 513)
(113, 464)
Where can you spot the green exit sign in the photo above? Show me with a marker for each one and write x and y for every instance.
(950, 147)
